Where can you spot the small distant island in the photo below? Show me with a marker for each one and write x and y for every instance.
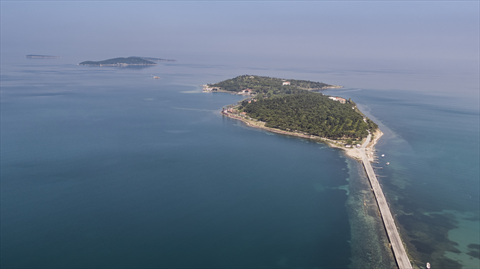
(34, 56)
(121, 61)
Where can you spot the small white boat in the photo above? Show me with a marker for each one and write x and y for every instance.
(383, 155)
(388, 163)
(428, 265)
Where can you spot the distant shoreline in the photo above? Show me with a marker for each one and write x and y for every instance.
(34, 56)
(118, 64)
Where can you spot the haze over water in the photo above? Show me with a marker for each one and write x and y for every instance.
(106, 167)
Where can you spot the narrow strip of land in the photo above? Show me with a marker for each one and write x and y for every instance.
(392, 232)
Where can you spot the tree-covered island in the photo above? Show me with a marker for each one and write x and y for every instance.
(289, 105)
(120, 62)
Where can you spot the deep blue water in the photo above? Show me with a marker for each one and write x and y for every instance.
(107, 167)
(110, 168)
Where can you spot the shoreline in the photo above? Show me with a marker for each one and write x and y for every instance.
(353, 153)
(206, 88)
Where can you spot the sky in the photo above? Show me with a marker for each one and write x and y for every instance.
(409, 42)
(285, 29)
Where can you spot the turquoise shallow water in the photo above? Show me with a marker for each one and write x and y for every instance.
(106, 167)
(432, 182)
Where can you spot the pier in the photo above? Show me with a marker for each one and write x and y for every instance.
(394, 237)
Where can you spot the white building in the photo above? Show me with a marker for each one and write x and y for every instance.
(341, 100)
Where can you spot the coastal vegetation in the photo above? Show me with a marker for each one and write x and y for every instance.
(269, 86)
(292, 107)
(311, 113)
(120, 62)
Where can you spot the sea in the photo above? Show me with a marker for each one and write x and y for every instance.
(106, 167)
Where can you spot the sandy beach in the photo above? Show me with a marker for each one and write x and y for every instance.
(354, 152)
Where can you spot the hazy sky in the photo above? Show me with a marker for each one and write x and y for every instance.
(284, 29)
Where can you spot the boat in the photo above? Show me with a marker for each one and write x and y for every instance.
(383, 155)
(155, 77)
(388, 163)
(428, 265)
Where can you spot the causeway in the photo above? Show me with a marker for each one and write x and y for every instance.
(392, 232)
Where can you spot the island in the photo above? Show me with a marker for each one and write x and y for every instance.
(248, 84)
(34, 56)
(300, 108)
(120, 62)
(292, 107)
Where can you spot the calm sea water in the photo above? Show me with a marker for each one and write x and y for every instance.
(107, 167)
(432, 182)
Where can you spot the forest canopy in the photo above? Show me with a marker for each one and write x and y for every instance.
(289, 105)
(311, 113)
